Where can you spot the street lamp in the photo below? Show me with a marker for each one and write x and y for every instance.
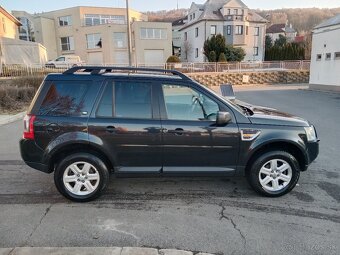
(129, 33)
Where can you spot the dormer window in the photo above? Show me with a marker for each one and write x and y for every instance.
(193, 16)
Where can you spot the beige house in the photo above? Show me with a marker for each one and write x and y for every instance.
(14, 51)
(8, 25)
(99, 35)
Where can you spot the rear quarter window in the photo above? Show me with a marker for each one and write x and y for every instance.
(65, 98)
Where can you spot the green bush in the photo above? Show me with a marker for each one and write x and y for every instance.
(173, 59)
(222, 58)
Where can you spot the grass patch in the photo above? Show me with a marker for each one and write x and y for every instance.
(16, 94)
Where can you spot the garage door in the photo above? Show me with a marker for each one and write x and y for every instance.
(121, 57)
(95, 58)
(154, 57)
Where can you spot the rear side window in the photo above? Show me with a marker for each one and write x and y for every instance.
(132, 100)
(64, 99)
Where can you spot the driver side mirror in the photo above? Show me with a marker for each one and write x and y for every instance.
(223, 118)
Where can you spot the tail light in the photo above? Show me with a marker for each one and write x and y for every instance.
(29, 127)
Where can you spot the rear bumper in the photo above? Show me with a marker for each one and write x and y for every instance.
(33, 155)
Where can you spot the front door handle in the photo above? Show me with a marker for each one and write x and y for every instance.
(110, 129)
(177, 131)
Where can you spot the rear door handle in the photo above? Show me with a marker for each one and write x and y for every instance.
(177, 131)
(110, 129)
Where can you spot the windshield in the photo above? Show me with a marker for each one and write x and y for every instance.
(236, 106)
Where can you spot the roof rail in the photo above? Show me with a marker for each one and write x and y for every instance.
(109, 69)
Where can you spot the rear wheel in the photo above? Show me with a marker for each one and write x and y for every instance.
(274, 173)
(81, 177)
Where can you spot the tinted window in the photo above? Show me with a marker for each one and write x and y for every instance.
(133, 100)
(64, 99)
(184, 103)
(105, 106)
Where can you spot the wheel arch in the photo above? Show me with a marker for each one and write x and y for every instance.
(286, 146)
(76, 148)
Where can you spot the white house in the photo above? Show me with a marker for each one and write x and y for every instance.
(232, 18)
(325, 63)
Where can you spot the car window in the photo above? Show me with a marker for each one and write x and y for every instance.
(64, 99)
(184, 103)
(60, 59)
(132, 100)
(105, 108)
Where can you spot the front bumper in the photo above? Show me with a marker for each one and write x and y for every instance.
(312, 152)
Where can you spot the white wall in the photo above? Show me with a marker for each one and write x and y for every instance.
(325, 72)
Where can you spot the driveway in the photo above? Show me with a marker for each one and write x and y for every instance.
(215, 215)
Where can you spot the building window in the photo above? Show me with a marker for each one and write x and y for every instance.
(196, 32)
(247, 28)
(194, 16)
(94, 41)
(185, 36)
(213, 30)
(4, 25)
(229, 11)
(229, 30)
(97, 19)
(196, 53)
(257, 31)
(239, 30)
(67, 43)
(65, 21)
(153, 33)
(235, 11)
(318, 57)
(256, 51)
(328, 56)
(337, 55)
(120, 40)
(191, 17)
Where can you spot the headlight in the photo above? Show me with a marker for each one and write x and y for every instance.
(311, 134)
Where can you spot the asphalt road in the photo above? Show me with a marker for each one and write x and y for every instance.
(216, 215)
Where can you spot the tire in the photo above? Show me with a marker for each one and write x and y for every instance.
(81, 177)
(268, 170)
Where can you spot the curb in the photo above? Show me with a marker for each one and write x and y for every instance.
(6, 119)
(94, 251)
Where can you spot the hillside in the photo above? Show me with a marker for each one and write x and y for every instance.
(303, 20)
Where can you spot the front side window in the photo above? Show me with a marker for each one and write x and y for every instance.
(94, 41)
(184, 103)
(65, 21)
(67, 43)
(64, 99)
(132, 100)
(60, 59)
(105, 108)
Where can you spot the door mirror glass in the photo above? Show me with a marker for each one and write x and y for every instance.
(223, 118)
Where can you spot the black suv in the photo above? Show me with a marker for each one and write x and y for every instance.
(91, 121)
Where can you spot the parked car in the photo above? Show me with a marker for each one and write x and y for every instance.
(92, 121)
(65, 61)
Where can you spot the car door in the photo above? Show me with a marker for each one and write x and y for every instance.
(190, 133)
(126, 124)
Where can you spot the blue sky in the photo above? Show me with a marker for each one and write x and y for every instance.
(151, 5)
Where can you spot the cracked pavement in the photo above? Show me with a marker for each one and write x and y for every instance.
(214, 215)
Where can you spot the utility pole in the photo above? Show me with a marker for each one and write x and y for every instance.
(129, 32)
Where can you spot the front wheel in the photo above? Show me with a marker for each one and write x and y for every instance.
(81, 177)
(274, 173)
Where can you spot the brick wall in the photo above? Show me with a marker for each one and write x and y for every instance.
(251, 78)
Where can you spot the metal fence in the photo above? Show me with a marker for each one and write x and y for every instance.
(25, 70)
